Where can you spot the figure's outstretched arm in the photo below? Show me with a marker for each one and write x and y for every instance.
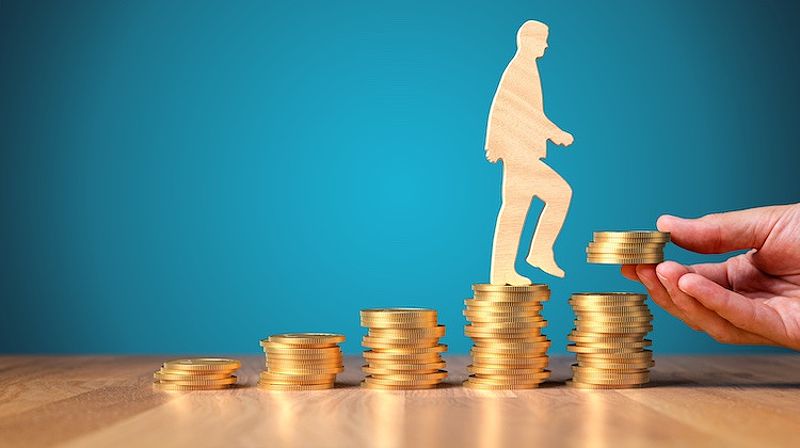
(556, 134)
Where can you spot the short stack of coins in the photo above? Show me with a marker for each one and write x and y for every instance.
(510, 351)
(609, 340)
(301, 361)
(404, 349)
(630, 247)
(197, 374)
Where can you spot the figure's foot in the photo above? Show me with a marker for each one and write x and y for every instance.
(510, 278)
(546, 263)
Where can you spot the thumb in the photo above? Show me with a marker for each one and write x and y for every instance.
(722, 232)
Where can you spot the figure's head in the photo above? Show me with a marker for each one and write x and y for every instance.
(532, 38)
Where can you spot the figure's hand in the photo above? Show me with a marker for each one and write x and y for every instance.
(753, 298)
(562, 138)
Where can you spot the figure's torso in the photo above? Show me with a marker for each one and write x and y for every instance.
(515, 128)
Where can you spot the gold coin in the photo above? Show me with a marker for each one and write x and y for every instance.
(483, 287)
(588, 370)
(307, 338)
(611, 247)
(644, 354)
(381, 343)
(511, 299)
(369, 379)
(406, 367)
(203, 364)
(503, 370)
(617, 366)
(529, 342)
(304, 351)
(642, 310)
(620, 260)
(169, 376)
(601, 337)
(293, 387)
(181, 388)
(511, 379)
(631, 235)
(489, 326)
(603, 319)
(412, 350)
(403, 358)
(290, 370)
(411, 376)
(487, 306)
(397, 324)
(500, 317)
(583, 349)
(367, 385)
(484, 321)
(202, 382)
(272, 377)
(400, 313)
(510, 363)
(541, 347)
(408, 333)
(617, 344)
(591, 380)
(378, 372)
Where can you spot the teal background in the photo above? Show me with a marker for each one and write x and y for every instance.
(188, 177)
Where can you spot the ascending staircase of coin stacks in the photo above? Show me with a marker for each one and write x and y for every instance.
(404, 349)
(510, 351)
(301, 361)
(197, 374)
(610, 327)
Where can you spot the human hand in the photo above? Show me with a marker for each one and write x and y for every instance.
(753, 298)
(562, 138)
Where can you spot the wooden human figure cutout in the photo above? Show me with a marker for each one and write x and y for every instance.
(517, 134)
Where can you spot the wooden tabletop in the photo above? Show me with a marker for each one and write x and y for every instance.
(106, 402)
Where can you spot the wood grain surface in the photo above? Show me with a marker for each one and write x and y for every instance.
(105, 402)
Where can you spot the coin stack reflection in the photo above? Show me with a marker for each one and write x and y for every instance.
(301, 361)
(609, 340)
(510, 351)
(404, 349)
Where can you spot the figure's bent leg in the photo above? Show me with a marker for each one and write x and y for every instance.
(556, 194)
(510, 221)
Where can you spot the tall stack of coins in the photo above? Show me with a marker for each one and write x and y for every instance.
(405, 352)
(609, 340)
(301, 361)
(510, 351)
(196, 374)
(633, 247)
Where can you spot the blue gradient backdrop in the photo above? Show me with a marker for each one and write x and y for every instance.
(193, 176)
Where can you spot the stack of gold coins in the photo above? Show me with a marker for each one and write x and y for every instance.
(609, 340)
(301, 361)
(634, 247)
(510, 351)
(196, 374)
(405, 352)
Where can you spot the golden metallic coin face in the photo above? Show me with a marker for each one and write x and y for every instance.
(203, 364)
(307, 338)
